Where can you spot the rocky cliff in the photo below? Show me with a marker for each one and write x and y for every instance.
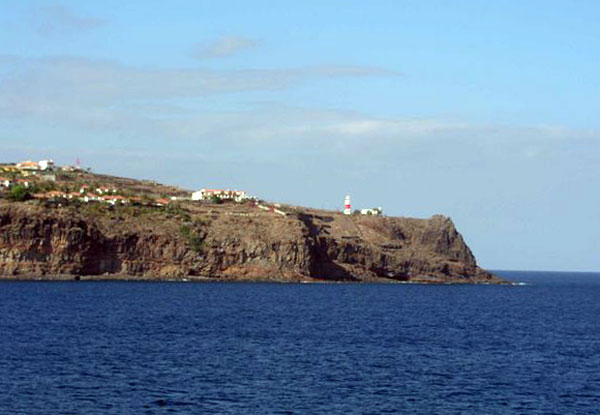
(229, 242)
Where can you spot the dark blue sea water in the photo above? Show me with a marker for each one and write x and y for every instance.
(191, 348)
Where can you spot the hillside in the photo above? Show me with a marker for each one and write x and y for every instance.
(59, 237)
(228, 241)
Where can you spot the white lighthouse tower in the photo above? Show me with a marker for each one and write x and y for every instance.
(347, 209)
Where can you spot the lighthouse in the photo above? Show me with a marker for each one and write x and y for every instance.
(347, 209)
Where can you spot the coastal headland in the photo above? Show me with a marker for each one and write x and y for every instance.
(148, 231)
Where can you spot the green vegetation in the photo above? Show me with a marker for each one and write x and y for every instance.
(215, 199)
(173, 209)
(146, 200)
(92, 209)
(195, 241)
(202, 221)
(129, 212)
(46, 187)
(135, 211)
(19, 194)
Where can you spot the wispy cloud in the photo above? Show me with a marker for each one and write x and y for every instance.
(108, 99)
(110, 80)
(222, 47)
(57, 87)
(60, 20)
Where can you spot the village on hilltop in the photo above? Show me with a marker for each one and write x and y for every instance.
(45, 181)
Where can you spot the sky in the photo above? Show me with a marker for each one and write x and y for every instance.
(486, 112)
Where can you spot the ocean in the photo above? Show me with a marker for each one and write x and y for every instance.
(244, 348)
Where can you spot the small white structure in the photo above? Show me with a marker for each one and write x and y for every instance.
(113, 200)
(90, 197)
(272, 209)
(70, 168)
(105, 190)
(4, 182)
(372, 211)
(46, 164)
(23, 182)
(208, 194)
(347, 208)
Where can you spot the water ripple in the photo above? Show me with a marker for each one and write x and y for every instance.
(113, 348)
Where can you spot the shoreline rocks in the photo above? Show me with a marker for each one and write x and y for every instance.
(200, 243)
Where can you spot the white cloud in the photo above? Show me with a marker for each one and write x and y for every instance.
(109, 81)
(60, 20)
(104, 93)
(222, 47)
(387, 127)
(105, 98)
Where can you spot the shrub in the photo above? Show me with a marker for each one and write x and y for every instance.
(19, 194)
(175, 209)
(195, 241)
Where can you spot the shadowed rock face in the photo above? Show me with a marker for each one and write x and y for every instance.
(231, 242)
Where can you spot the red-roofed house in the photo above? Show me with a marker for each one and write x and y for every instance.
(28, 165)
(162, 202)
(105, 190)
(113, 200)
(23, 182)
(208, 194)
(56, 194)
(90, 197)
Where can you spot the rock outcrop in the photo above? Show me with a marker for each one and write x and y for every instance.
(229, 242)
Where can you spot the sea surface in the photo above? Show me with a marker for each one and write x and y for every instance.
(239, 348)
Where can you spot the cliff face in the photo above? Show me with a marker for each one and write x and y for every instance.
(238, 242)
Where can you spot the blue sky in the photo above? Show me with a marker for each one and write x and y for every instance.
(483, 111)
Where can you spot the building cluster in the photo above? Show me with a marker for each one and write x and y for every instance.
(35, 176)
(39, 166)
(7, 182)
(28, 168)
(86, 196)
(378, 211)
(211, 194)
(372, 211)
(57, 196)
(42, 165)
(29, 172)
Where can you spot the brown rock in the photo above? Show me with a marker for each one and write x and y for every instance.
(230, 242)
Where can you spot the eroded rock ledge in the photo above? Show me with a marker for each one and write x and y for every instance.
(229, 242)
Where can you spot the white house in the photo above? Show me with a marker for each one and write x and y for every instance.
(208, 194)
(90, 197)
(46, 164)
(23, 182)
(372, 211)
(113, 200)
(105, 190)
(70, 168)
